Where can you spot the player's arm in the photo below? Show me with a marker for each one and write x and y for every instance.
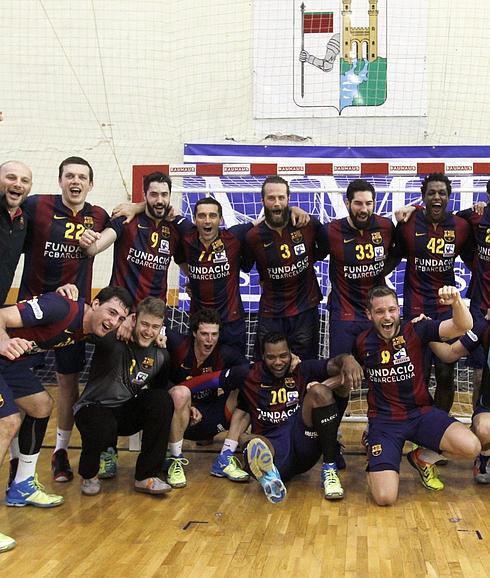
(403, 215)
(299, 218)
(461, 320)
(448, 352)
(93, 243)
(128, 210)
(346, 367)
(12, 347)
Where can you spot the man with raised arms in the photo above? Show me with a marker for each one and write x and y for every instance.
(400, 407)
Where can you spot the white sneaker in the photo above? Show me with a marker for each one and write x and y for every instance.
(6, 543)
(90, 487)
(153, 486)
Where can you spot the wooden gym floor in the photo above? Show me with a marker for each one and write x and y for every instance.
(214, 527)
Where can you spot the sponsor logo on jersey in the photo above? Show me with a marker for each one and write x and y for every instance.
(164, 247)
(379, 253)
(141, 377)
(36, 309)
(293, 397)
(400, 356)
(220, 257)
(299, 249)
(449, 249)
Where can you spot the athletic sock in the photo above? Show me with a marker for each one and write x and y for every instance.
(14, 448)
(175, 448)
(485, 453)
(427, 456)
(26, 467)
(62, 439)
(326, 423)
(341, 403)
(229, 446)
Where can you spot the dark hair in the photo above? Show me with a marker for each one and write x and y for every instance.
(156, 177)
(380, 291)
(119, 293)
(76, 161)
(435, 177)
(203, 316)
(359, 185)
(273, 337)
(274, 180)
(152, 306)
(208, 201)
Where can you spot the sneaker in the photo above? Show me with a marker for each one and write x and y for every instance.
(176, 474)
(153, 486)
(6, 543)
(31, 493)
(90, 486)
(108, 464)
(14, 462)
(331, 484)
(261, 463)
(227, 465)
(428, 472)
(339, 457)
(481, 470)
(60, 466)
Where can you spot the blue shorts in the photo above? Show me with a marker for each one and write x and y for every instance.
(387, 437)
(18, 380)
(215, 419)
(70, 359)
(343, 335)
(480, 408)
(296, 446)
(234, 334)
(302, 330)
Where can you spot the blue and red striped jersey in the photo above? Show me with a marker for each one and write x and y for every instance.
(51, 321)
(142, 254)
(480, 276)
(285, 263)
(430, 250)
(52, 253)
(395, 371)
(357, 259)
(214, 273)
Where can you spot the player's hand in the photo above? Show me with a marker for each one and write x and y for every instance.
(15, 347)
(448, 295)
(295, 361)
(420, 317)
(351, 373)
(128, 210)
(299, 218)
(88, 238)
(126, 328)
(161, 341)
(479, 207)
(171, 214)
(402, 215)
(303, 55)
(69, 291)
(195, 416)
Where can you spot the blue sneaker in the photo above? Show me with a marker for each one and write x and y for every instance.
(332, 487)
(31, 493)
(227, 465)
(261, 464)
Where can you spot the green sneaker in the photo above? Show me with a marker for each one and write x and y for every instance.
(108, 464)
(331, 484)
(428, 472)
(30, 492)
(6, 543)
(176, 474)
(227, 465)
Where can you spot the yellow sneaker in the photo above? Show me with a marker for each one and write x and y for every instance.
(31, 492)
(428, 472)
(176, 475)
(6, 543)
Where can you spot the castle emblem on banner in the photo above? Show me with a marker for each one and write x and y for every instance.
(340, 53)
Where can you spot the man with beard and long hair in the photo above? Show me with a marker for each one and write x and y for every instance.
(143, 247)
(285, 255)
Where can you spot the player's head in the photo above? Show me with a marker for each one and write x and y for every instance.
(204, 326)
(360, 202)
(76, 179)
(207, 216)
(384, 312)
(109, 309)
(150, 314)
(15, 183)
(436, 189)
(276, 353)
(275, 198)
(157, 187)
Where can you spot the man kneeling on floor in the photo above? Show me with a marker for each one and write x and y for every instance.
(126, 393)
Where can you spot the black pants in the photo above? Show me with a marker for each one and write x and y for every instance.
(151, 411)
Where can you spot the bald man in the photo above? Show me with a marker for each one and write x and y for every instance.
(15, 185)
